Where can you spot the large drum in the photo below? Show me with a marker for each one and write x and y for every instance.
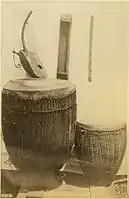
(38, 122)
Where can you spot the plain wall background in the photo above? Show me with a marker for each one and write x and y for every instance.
(104, 100)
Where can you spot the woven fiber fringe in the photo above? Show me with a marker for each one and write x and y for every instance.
(38, 132)
(100, 151)
(119, 188)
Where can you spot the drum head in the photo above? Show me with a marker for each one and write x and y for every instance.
(48, 86)
(104, 125)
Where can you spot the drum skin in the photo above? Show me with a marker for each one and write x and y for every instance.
(38, 122)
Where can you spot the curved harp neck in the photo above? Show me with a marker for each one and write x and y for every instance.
(23, 30)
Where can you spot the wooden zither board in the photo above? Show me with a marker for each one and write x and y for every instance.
(64, 47)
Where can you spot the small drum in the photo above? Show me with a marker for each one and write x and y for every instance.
(100, 150)
(38, 122)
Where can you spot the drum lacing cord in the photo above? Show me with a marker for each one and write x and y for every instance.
(40, 112)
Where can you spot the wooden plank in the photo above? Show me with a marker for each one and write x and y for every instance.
(100, 192)
(35, 194)
(6, 195)
(68, 191)
(64, 47)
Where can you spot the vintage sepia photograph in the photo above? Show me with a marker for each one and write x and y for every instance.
(64, 99)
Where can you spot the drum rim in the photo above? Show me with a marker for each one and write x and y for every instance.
(64, 84)
(99, 129)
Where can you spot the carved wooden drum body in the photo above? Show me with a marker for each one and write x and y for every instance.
(38, 122)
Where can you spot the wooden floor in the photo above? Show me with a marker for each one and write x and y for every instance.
(74, 184)
(72, 188)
